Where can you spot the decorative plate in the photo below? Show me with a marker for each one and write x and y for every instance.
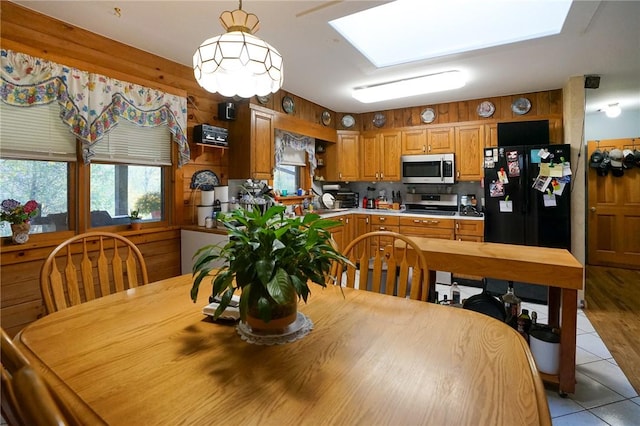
(348, 121)
(287, 104)
(486, 109)
(521, 106)
(204, 180)
(326, 118)
(428, 115)
(263, 100)
(379, 119)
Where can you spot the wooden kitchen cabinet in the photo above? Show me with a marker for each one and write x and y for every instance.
(491, 135)
(414, 141)
(469, 152)
(341, 233)
(380, 156)
(469, 230)
(382, 223)
(252, 144)
(420, 226)
(342, 158)
(440, 140)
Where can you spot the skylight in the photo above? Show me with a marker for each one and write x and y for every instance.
(411, 30)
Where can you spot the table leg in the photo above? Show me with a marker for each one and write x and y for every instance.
(555, 299)
(567, 373)
(431, 283)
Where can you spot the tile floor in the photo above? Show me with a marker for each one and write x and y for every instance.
(603, 394)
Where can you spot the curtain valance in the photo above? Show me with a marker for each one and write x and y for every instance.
(298, 143)
(90, 104)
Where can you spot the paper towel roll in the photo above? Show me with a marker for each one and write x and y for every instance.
(206, 198)
(203, 213)
(222, 194)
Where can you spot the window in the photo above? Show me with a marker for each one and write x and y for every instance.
(43, 181)
(134, 177)
(38, 160)
(118, 189)
(287, 177)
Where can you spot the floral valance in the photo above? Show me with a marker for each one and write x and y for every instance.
(90, 104)
(298, 143)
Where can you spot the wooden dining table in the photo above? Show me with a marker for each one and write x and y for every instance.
(148, 356)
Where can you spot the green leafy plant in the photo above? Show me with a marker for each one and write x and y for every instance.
(149, 202)
(269, 256)
(135, 215)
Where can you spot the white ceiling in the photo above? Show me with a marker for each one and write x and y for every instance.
(599, 38)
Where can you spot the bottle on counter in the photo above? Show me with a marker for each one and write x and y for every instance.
(455, 293)
(364, 202)
(512, 306)
(524, 324)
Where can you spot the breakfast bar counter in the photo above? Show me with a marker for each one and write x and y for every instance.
(149, 356)
(556, 268)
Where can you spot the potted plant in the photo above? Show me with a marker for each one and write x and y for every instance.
(136, 220)
(149, 203)
(19, 216)
(270, 258)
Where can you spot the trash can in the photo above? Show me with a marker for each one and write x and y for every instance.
(545, 347)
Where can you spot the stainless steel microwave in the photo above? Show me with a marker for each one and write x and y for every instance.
(430, 168)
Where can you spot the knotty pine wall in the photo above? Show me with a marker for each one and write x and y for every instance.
(41, 36)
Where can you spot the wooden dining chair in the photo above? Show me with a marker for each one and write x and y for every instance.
(89, 266)
(385, 262)
(26, 398)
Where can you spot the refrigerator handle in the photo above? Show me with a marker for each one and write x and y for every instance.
(523, 179)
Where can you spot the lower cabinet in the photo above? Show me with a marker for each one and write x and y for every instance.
(417, 226)
(469, 230)
(341, 233)
(382, 223)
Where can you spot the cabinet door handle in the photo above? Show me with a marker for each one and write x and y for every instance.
(382, 228)
(429, 148)
(457, 226)
(424, 148)
(416, 221)
(382, 219)
(381, 175)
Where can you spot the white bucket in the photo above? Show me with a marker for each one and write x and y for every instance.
(207, 198)
(545, 347)
(203, 213)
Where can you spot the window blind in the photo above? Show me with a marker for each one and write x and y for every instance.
(132, 144)
(293, 157)
(35, 133)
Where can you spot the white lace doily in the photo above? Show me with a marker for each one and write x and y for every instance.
(295, 331)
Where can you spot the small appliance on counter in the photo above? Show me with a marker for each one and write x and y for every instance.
(469, 206)
(343, 197)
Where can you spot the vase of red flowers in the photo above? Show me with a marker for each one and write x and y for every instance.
(19, 216)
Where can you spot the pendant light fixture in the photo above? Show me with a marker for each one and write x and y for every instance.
(238, 63)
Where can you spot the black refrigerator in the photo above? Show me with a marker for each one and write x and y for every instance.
(524, 206)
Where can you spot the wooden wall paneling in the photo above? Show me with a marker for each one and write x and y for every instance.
(463, 111)
(542, 104)
(555, 102)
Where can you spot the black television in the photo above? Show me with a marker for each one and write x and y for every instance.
(523, 133)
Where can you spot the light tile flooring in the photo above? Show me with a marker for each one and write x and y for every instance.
(603, 394)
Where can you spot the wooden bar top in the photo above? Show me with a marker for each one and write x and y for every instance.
(536, 265)
(149, 356)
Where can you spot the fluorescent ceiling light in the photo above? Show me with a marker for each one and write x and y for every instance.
(410, 87)
(411, 30)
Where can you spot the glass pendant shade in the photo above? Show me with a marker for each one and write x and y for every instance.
(238, 63)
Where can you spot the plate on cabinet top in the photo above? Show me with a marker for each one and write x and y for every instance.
(287, 104)
(348, 121)
(379, 119)
(263, 100)
(326, 118)
(428, 115)
(486, 109)
(521, 106)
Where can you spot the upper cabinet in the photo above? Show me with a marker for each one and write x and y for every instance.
(342, 158)
(469, 152)
(432, 140)
(252, 144)
(414, 141)
(380, 156)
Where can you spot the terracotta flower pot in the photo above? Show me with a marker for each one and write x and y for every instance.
(136, 225)
(20, 232)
